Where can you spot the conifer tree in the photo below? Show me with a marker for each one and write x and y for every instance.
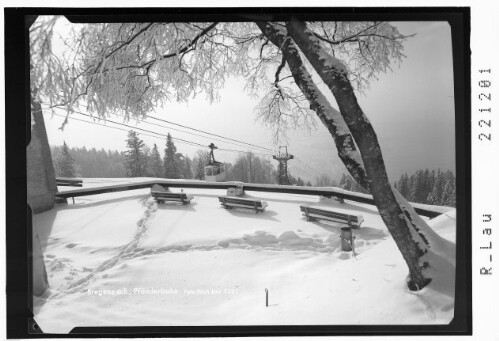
(427, 185)
(418, 187)
(404, 186)
(450, 176)
(431, 182)
(155, 163)
(147, 157)
(449, 194)
(187, 169)
(435, 196)
(449, 191)
(171, 161)
(135, 159)
(180, 163)
(65, 163)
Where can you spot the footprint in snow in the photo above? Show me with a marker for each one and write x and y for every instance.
(71, 245)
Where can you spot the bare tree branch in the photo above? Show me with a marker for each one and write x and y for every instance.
(347, 150)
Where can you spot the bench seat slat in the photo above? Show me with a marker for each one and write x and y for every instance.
(245, 206)
(319, 216)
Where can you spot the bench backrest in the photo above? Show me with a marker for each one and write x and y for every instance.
(240, 201)
(336, 215)
(168, 195)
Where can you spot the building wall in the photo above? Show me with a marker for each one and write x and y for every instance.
(41, 189)
(40, 170)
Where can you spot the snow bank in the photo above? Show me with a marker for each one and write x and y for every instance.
(440, 253)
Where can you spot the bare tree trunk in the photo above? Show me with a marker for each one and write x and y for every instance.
(330, 117)
(412, 243)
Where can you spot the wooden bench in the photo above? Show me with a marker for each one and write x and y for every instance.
(69, 182)
(255, 204)
(338, 215)
(170, 196)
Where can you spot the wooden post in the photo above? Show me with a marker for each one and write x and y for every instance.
(346, 239)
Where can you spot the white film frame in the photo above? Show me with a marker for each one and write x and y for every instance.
(485, 164)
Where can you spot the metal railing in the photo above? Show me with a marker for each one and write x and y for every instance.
(320, 191)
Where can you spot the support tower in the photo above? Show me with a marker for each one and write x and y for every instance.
(283, 157)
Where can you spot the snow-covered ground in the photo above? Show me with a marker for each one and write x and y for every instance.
(120, 259)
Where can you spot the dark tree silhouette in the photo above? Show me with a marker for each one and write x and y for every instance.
(135, 158)
(155, 163)
(171, 161)
(65, 163)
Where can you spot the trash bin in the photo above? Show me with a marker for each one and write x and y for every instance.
(346, 239)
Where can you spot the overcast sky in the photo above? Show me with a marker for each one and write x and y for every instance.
(411, 109)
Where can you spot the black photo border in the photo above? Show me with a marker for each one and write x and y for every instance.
(18, 217)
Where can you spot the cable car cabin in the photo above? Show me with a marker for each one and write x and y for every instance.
(215, 172)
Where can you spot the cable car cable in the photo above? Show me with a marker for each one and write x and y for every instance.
(205, 132)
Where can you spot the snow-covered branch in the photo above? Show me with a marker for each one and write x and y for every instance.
(329, 116)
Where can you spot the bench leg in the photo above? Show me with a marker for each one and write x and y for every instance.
(73, 199)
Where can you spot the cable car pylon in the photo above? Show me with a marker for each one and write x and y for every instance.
(283, 157)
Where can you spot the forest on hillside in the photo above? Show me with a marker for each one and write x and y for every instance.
(139, 160)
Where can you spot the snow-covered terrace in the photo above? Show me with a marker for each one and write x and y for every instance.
(120, 259)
